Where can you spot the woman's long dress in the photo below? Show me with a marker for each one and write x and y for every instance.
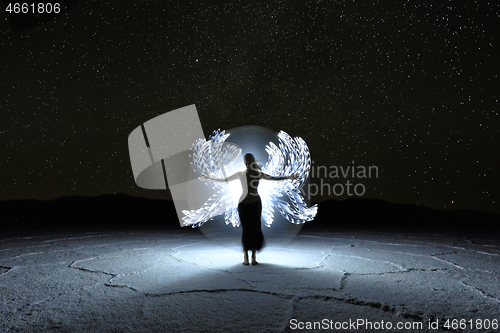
(250, 214)
(250, 210)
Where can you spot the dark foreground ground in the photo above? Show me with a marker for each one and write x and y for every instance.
(175, 280)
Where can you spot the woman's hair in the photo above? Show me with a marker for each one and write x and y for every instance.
(250, 159)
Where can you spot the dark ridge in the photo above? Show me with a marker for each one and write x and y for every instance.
(378, 214)
(124, 211)
(106, 211)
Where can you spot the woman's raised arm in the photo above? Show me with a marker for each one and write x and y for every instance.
(228, 179)
(268, 177)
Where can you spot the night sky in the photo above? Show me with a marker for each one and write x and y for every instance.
(411, 87)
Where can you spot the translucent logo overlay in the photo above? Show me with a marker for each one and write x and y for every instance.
(159, 153)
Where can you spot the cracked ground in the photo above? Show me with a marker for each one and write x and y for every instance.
(178, 281)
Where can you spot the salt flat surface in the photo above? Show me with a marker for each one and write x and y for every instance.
(179, 281)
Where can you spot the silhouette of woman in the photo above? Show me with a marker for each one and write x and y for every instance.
(250, 208)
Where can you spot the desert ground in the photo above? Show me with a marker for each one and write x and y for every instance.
(168, 280)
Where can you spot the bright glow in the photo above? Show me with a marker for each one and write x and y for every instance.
(290, 157)
(213, 256)
(216, 159)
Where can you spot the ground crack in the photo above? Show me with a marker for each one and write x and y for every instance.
(4, 270)
(447, 261)
(343, 280)
(401, 311)
(404, 271)
(480, 291)
(215, 291)
(90, 270)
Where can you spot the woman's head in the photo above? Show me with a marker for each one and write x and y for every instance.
(250, 161)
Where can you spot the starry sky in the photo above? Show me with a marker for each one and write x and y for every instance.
(411, 87)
